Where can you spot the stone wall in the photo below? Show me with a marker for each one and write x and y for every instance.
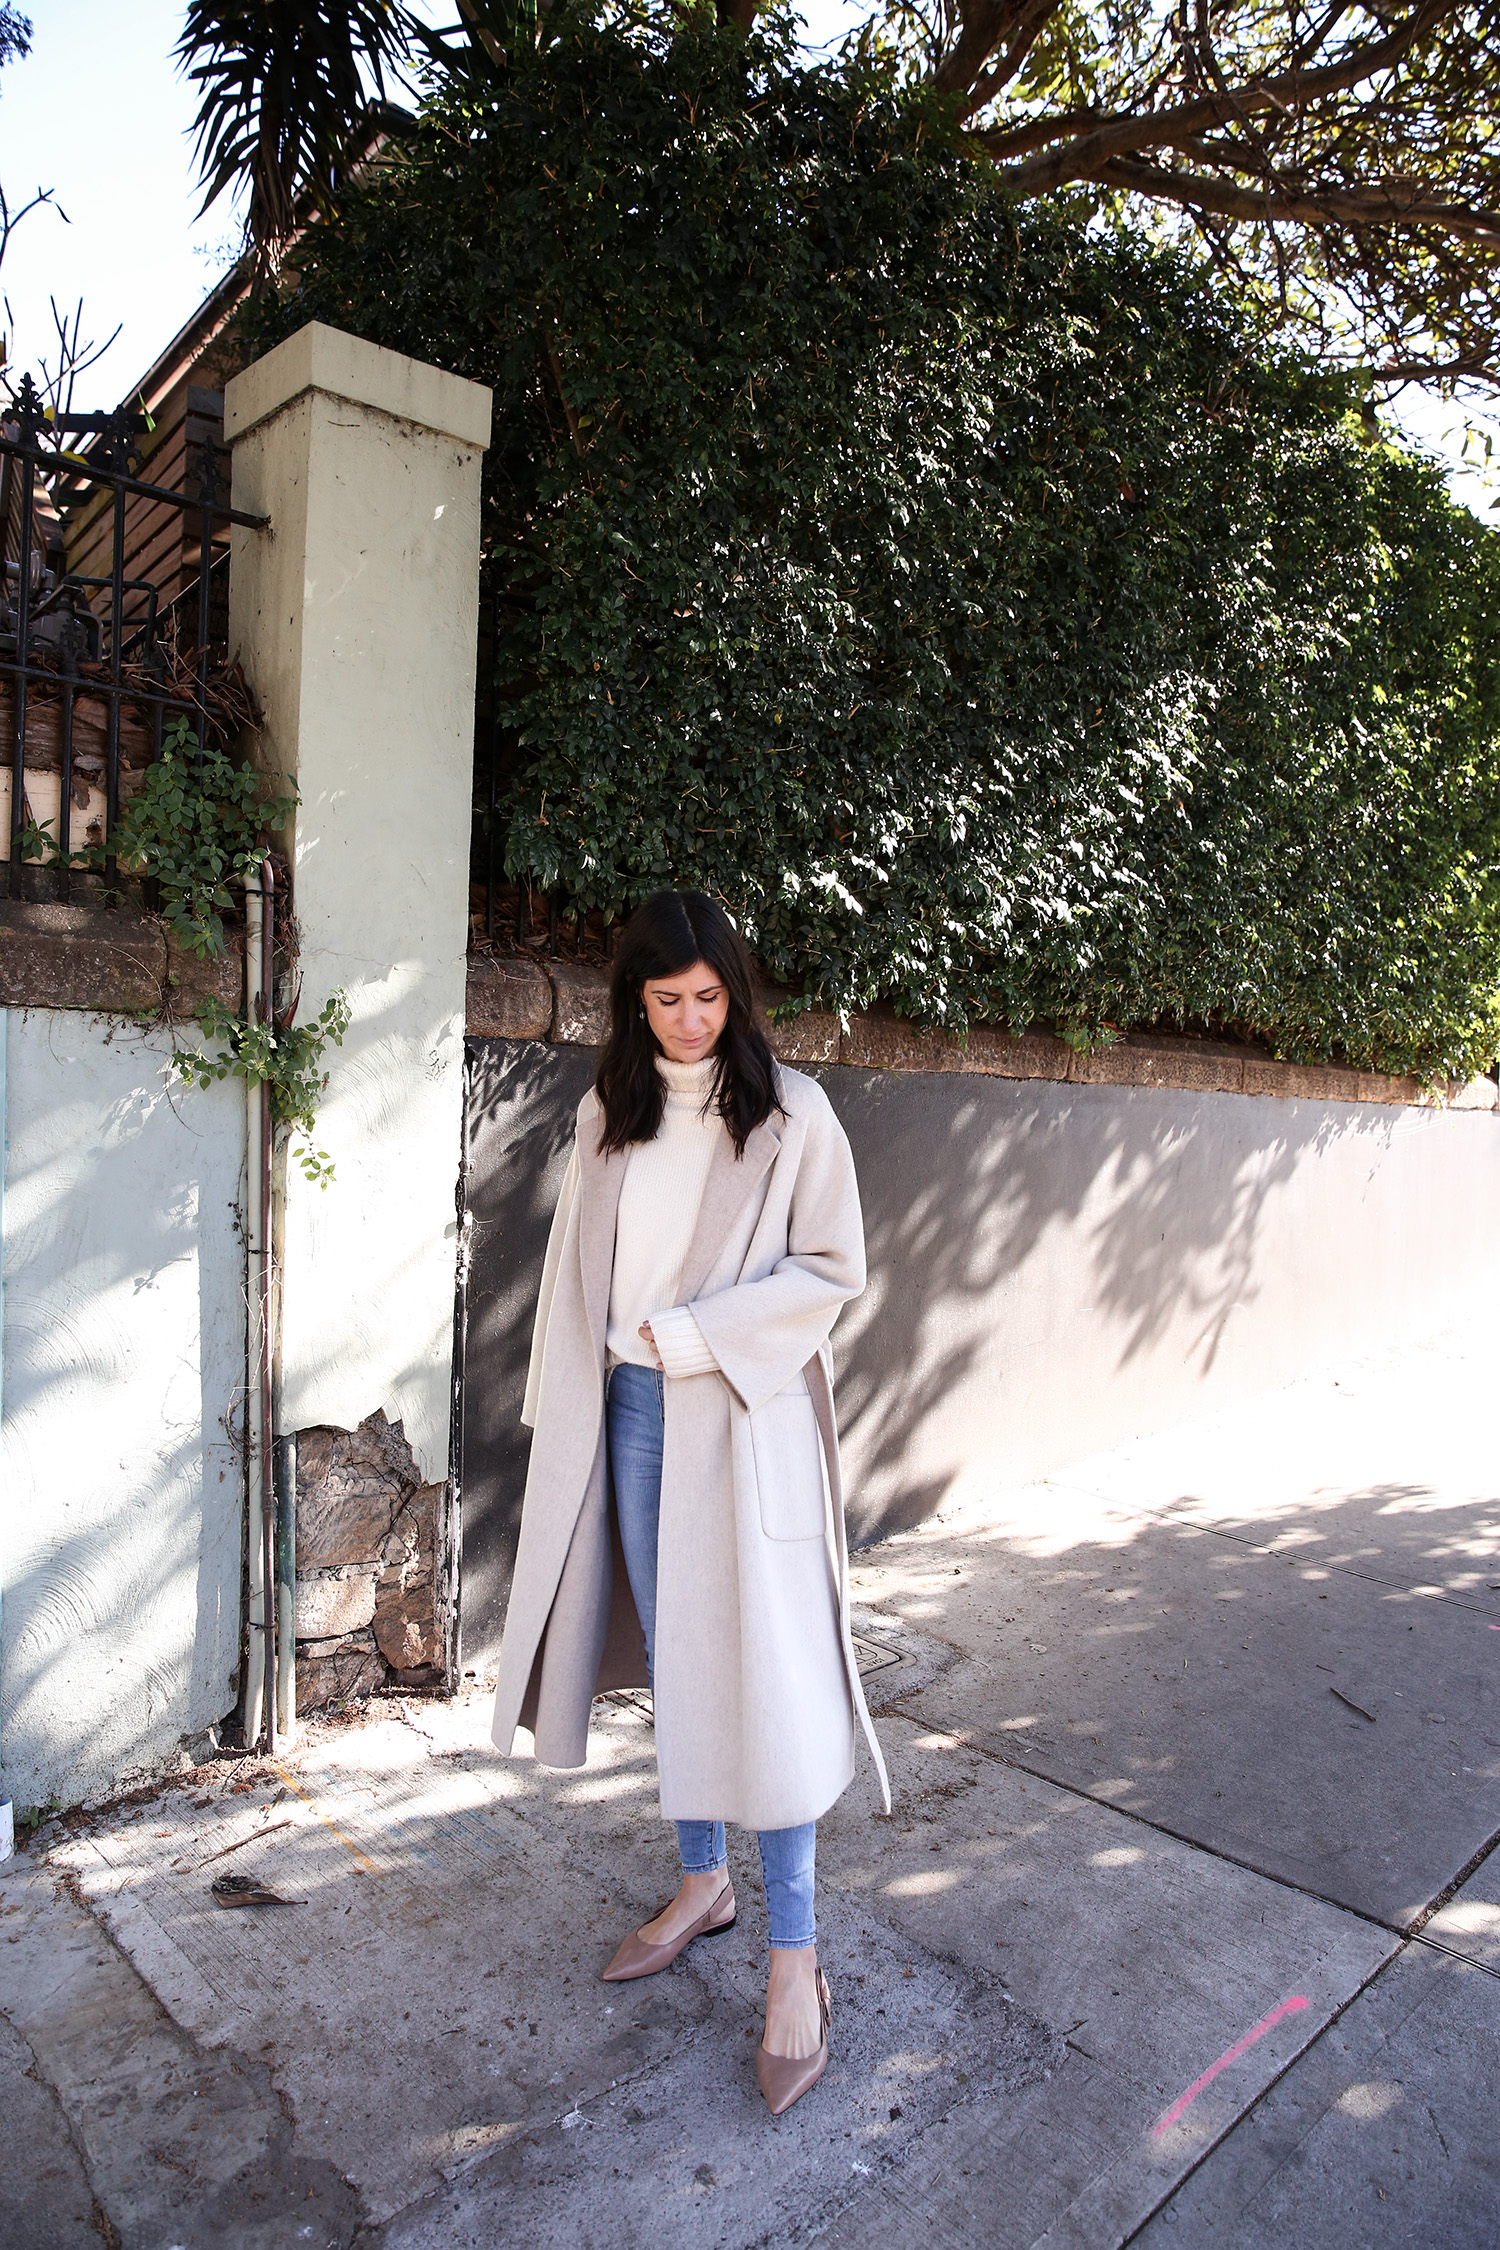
(512, 996)
(107, 960)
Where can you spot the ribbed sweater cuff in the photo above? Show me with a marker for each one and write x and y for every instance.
(680, 1341)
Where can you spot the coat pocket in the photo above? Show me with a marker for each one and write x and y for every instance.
(788, 1466)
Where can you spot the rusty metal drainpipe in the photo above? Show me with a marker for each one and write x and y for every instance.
(257, 1639)
(268, 1434)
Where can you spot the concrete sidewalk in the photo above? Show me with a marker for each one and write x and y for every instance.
(1183, 1929)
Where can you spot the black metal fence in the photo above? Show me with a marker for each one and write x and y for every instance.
(494, 754)
(93, 668)
(503, 911)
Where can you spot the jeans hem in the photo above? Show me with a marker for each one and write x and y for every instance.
(714, 1867)
(793, 1944)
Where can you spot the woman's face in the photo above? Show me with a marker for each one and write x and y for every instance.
(687, 1012)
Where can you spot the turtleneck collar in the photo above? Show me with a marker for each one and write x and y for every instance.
(688, 1082)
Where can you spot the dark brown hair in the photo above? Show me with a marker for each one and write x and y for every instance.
(662, 939)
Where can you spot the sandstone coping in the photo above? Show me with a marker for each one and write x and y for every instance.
(357, 373)
(567, 1003)
(106, 961)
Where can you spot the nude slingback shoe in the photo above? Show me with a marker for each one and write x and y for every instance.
(638, 1958)
(784, 2079)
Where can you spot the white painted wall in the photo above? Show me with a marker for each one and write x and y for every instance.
(357, 620)
(123, 1348)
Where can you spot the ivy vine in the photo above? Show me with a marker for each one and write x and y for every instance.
(964, 593)
(196, 824)
(287, 1056)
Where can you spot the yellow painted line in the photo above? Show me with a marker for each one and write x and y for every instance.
(366, 1866)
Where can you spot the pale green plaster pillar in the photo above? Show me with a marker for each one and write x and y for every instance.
(356, 621)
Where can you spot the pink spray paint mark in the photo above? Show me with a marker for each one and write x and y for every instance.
(1184, 2101)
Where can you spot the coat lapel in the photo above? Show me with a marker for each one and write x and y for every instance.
(730, 1184)
(599, 1182)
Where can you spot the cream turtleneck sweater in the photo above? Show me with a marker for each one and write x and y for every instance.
(660, 1197)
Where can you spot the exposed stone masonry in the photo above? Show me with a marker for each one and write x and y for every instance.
(82, 956)
(368, 1533)
(515, 997)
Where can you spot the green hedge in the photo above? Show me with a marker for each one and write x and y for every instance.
(959, 594)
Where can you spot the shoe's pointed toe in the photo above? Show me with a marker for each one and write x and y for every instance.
(635, 1958)
(784, 2079)
(638, 1957)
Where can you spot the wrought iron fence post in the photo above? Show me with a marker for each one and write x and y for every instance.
(489, 870)
(68, 654)
(116, 636)
(208, 488)
(29, 415)
(156, 665)
(114, 447)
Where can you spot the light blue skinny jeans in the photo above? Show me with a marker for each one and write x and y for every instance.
(636, 1421)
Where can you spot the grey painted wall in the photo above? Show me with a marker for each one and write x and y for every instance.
(1053, 1268)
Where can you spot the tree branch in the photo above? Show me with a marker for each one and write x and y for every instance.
(1033, 23)
(555, 366)
(481, 32)
(1019, 140)
(1102, 141)
(1468, 367)
(983, 26)
(1385, 203)
(10, 220)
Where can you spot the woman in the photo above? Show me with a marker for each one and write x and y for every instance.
(684, 1522)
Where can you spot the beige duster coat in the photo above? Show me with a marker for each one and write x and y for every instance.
(757, 1690)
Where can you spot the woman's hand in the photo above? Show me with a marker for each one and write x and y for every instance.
(644, 1332)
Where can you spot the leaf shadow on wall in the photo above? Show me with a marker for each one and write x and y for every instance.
(1044, 1258)
(990, 1205)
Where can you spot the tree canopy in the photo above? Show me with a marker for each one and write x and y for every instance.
(15, 33)
(1338, 165)
(960, 592)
